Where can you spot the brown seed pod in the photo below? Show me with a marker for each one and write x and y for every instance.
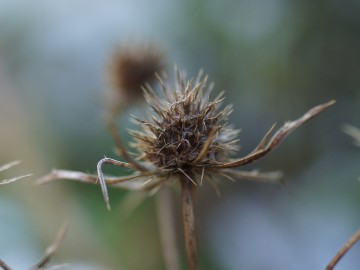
(187, 130)
(185, 140)
(129, 68)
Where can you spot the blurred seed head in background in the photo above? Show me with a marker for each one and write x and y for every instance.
(130, 68)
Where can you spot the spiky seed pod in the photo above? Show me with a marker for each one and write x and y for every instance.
(188, 136)
(188, 140)
(129, 68)
(187, 131)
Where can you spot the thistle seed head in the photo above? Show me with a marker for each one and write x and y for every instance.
(186, 138)
(188, 130)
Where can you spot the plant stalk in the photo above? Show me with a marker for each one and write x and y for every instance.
(189, 222)
(353, 239)
(4, 266)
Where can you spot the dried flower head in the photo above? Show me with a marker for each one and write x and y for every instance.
(130, 68)
(188, 137)
(187, 132)
(187, 140)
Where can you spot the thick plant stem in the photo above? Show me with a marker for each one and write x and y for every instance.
(353, 239)
(189, 222)
(165, 213)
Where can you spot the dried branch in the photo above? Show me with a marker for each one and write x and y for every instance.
(353, 239)
(58, 266)
(266, 145)
(8, 166)
(267, 177)
(165, 213)
(119, 182)
(120, 145)
(8, 181)
(4, 266)
(52, 248)
(102, 179)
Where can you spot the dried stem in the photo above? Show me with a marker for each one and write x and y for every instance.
(52, 248)
(4, 266)
(120, 145)
(268, 144)
(120, 182)
(189, 222)
(102, 178)
(8, 166)
(266, 177)
(165, 213)
(353, 239)
(14, 179)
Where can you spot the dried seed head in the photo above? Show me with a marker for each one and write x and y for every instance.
(187, 137)
(187, 131)
(129, 68)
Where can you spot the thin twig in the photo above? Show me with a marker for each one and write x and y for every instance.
(8, 166)
(102, 178)
(165, 214)
(353, 239)
(120, 145)
(120, 182)
(4, 266)
(58, 266)
(266, 177)
(52, 248)
(14, 179)
(267, 145)
(189, 222)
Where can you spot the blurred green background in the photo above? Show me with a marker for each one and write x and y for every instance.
(275, 59)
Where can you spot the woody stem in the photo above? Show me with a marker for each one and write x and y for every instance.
(353, 239)
(4, 266)
(189, 222)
